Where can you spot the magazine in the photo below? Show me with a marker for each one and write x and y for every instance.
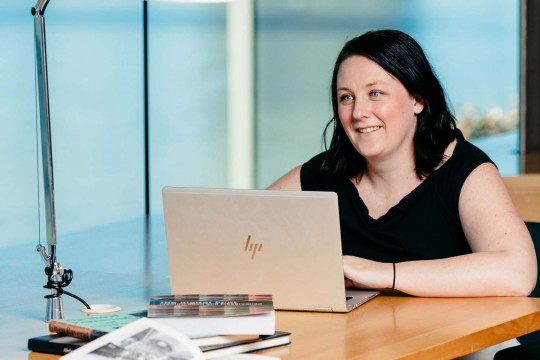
(141, 339)
(149, 339)
(221, 346)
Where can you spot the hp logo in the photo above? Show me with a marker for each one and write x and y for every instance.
(253, 248)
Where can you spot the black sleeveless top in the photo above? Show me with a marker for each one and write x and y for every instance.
(425, 224)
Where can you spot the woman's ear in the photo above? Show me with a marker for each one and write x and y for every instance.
(418, 104)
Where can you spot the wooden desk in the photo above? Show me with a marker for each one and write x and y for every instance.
(408, 328)
(403, 328)
(128, 270)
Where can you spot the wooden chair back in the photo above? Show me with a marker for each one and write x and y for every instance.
(525, 192)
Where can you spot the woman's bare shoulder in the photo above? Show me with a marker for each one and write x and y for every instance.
(289, 181)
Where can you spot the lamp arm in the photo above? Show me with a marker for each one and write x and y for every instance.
(45, 125)
(57, 277)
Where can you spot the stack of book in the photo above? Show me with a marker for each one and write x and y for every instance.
(216, 325)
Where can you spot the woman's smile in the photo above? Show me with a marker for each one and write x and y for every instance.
(368, 130)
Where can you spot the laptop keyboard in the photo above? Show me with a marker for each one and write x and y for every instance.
(347, 298)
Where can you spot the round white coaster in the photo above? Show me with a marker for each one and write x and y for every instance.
(101, 309)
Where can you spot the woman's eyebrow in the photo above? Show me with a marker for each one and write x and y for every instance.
(376, 82)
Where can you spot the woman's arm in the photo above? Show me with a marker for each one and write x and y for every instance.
(503, 262)
(289, 181)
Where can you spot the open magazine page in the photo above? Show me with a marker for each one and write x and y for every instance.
(142, 339)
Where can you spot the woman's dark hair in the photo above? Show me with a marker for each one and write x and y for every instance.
(402, 57)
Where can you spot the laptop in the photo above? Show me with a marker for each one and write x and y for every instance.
(284, 243)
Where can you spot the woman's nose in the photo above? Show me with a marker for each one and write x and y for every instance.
(362, 109)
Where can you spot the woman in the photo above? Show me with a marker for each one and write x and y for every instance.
(422, 210)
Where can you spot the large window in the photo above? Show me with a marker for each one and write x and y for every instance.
(96, 94)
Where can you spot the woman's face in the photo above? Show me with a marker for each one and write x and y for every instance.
(377, 112)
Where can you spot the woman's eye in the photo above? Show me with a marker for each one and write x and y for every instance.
(345, 98)
(375, 93)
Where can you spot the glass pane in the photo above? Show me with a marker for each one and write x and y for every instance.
(473, 47)
(95, 72)
(188, 96)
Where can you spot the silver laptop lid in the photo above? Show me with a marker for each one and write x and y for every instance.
(284, 243)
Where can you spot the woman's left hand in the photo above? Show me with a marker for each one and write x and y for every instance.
(367, 274)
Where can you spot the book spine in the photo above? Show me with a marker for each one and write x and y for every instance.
(49, 347)
(76, 331)
(216, 303)
(222, 297)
